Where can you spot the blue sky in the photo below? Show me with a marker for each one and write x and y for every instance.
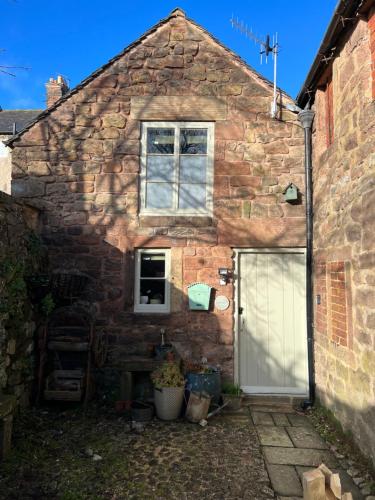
(75, 37)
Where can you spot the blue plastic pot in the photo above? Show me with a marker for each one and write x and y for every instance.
(205, 382)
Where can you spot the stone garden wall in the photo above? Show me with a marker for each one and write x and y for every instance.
(81, 165)
(344, 214)
(19, 257)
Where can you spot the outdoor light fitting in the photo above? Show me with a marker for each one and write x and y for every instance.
(224, 275)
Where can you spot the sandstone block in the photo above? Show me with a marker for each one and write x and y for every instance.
(229, 89)
(27, 188)
(82, 187)
(174, 61)
(38, 168)
(116, 120)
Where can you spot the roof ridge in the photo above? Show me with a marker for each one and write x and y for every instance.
(175, 13)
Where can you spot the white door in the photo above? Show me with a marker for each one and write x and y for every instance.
(272, 341)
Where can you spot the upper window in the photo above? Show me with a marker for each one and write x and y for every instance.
(177, 168)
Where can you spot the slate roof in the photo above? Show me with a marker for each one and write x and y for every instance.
(21, 117)
(176, 12)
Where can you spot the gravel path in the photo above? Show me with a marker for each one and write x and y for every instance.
(69, 456)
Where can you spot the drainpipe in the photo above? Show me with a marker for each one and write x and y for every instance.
(306, 118)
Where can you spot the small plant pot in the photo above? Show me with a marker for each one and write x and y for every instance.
(168, 402)
(141, 412)
(234, 401)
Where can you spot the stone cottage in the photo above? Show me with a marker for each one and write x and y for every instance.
(341, 84)
(162, 169)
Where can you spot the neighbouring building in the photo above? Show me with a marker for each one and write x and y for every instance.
(11, 122)
(162, 169)
(341, 86)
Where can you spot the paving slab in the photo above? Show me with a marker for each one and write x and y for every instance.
(306, 437)
(288, 498)
(273, 436)
(346, 481)
(271, 409)
(298, 420)
(298, 456)
(261, 418)
(285, 480)
(280, 419)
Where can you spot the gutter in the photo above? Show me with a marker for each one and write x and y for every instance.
(345, 15)
(306, 118)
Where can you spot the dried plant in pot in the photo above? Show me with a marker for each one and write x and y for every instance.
(169, 386)
(232, 395)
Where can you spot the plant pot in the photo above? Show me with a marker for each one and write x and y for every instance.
(205, 382)
(168, 402)
(234, 401)
(141, 412)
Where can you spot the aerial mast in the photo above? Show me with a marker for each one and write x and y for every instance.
(265, 49)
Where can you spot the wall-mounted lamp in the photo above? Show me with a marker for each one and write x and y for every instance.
(224, 275)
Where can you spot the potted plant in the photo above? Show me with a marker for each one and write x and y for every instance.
(169, 386)
(232, 394)
(201, 377)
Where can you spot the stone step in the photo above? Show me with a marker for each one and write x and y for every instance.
(273, 402)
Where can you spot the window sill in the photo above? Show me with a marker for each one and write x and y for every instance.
(175, 220)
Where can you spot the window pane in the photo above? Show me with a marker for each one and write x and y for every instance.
(152, 265)
(192, 196)
(193, 141)
(159, 195)
(193, 169)
(160, 140)
(160, 168)
(154, 290)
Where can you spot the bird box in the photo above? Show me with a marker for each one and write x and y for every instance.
(291, 192)
(199, 296)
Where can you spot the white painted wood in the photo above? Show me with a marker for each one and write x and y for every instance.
(152, 308)
(271, 339)
(177, 126)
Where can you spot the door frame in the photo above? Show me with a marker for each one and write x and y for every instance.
(236, 281)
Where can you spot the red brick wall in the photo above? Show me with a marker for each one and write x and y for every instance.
(338, 302)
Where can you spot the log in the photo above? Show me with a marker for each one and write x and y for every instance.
(335, 485)
(313, 485)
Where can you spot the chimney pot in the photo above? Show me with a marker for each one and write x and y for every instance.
(56, 89)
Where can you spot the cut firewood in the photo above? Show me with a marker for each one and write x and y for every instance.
(327, 473)
(335, 485)
(314, 485)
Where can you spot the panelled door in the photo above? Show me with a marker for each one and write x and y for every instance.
(272, 341)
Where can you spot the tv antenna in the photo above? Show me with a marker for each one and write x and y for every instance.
(265, 50)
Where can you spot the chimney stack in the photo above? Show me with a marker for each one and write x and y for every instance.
(56, 89)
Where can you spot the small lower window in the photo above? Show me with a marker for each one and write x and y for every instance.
(152, 288)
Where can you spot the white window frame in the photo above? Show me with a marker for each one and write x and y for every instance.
(177, 126)
(152, 308)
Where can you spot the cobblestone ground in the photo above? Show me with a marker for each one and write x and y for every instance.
(69, 456)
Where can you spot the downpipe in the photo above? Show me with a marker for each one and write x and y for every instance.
(306, 118)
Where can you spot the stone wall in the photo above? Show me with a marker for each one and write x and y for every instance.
(344, 243)
(5, 165)
(80, 164)
(18, 223)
